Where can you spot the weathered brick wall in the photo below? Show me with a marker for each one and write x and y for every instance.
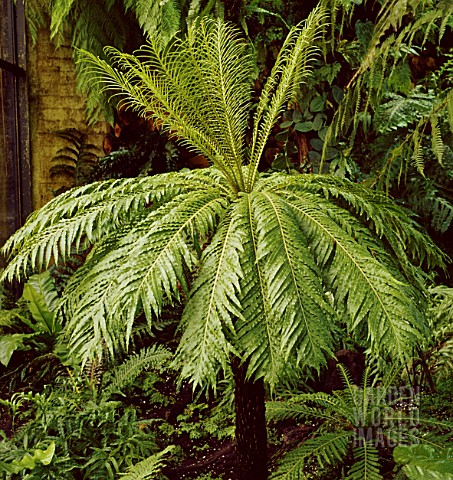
(54, 105)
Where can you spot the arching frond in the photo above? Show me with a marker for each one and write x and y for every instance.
(328, 407)
(366, 465)
(372, 294)
(155, 16)
(258, 328)
(60, 11)
(148, 262)
(328, 449)
(83, 216)
(209, 333)
(156, 357)
(148, 468)
(376, 211)
(293, 282)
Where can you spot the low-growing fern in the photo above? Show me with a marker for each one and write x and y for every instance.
(149, 468)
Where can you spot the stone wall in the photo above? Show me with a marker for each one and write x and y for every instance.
(54, 104)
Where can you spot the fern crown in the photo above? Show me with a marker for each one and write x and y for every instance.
(277, 261)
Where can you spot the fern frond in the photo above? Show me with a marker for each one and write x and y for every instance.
(148, 261)
(156, 357)
(83, 216)
(293, 282)
(298, 407)
(400, 111)
(171, 18)
(148, 468)
(197, 90)
(406, 240)
(258, 333)
(207, 341)
(374, 295)
(450, 109)
(366, 463)
(328, 449)
(442, 214)
(163, 18)
(36, 13)
(293, 65)
(355, 396)
(437, 142)
(442, 308)
(60, 11)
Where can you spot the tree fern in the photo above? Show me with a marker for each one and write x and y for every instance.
(263, 249)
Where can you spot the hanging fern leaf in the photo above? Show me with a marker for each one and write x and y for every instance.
(401, 111)
(162, 17)
(437, 142)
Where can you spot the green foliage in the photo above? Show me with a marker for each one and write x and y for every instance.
(33, 323)
(276, 243)
(440, 354)
(387, 55)
(154, 16)
(199, 422)
(88, 24)
(425, 462)
(148, 468)
(156, 357)
(266, 265)
(77, 160)
(90, 432)
(361, 422)
(28, 462)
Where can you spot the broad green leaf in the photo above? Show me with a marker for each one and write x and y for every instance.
(29, 461)
(425, 462)
(317, 104)
(286, 124)
(297, 116)
(42, 299)
(304, 126)
(9, 343)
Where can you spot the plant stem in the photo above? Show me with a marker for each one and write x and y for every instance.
(251, 435)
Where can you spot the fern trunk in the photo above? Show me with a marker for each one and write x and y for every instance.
(251, 435)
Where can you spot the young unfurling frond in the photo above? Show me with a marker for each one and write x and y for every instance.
(294, 63)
